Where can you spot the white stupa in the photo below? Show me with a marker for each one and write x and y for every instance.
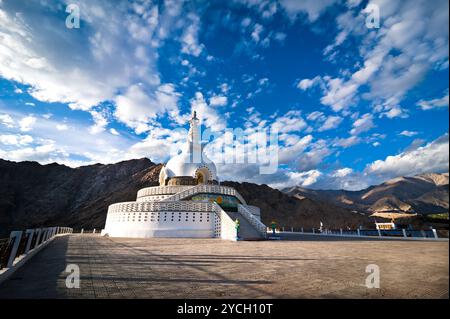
(189, 202)
(192, 166)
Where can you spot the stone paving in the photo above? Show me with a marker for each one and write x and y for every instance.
(212, 268)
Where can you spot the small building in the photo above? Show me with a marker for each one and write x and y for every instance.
(386, 226)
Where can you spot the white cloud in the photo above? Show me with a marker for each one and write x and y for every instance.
(280, 36)
(342, 172)
(303, 178)
(159, 145)
(316, 154)
(330, 123)
(263, 81)
(339, 95)
(396, 58)
(218, 100)
(316, 116)
(26, 123)
(256, 33)
(394, 111)
(113, 131)
(308, 83)
(434, 103)
(363, 124)
(246, 22)
(136, 108)
(59, 67)
(44, 153)
(100, 122)
(347, 142)
(16, 139)
(313, 8)
(62, 127)
(189, 39)
(294, 148)
(6, 120)
(433, 157)
(212, 119)
(408, 133)
(343, 178)
(290, 122)
(63, 146)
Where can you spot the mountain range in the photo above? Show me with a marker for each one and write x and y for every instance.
(34, 195)
(421, 194)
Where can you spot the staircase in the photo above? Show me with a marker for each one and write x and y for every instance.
(246, 230)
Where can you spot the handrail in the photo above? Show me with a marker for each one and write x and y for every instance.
(23, 242)
(161, 190)
(205, 188)
(259, 226)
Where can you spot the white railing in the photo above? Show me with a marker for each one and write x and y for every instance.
(225, 227)
(22, 245)
(255, 222)
(208, 189)
(429, 234)
(256, 211)
(160, 206)
(161, 190)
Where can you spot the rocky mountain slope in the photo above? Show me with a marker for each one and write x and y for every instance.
(33, 195)
(422, 194)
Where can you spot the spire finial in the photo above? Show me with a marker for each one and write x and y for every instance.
(194, 116)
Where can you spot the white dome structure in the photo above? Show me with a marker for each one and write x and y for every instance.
(192, 166)
(188, 203)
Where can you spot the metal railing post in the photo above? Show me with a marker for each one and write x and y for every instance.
(435, 233)
(38, 238)
(17, 236)
(30, 239)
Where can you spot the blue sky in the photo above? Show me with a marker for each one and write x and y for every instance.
(353, 105)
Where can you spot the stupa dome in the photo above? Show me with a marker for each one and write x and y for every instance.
(191, 166)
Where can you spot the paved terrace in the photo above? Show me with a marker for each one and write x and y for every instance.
(212, 268)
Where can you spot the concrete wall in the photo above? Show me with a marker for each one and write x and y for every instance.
(160, 224)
